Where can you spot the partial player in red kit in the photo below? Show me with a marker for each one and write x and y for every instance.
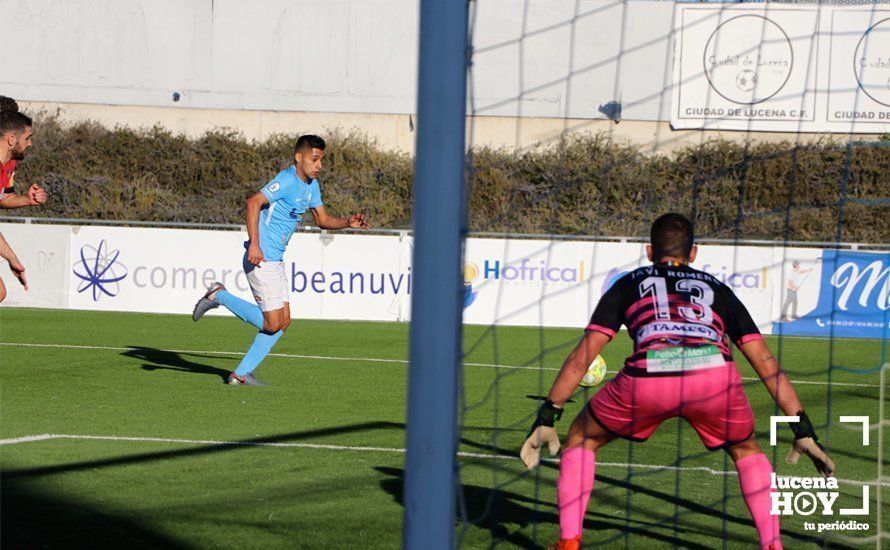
(15, 139)
(682, 322)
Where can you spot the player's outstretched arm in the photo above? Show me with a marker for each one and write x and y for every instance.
(15, 200)
(575, 366)
(543, 431)
(36, 195)
(324, 221)
(783, 393)
(15, 265)
(771, 374)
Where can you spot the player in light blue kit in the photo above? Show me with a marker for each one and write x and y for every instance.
(272, 216)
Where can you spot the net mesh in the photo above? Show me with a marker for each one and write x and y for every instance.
(804, 201)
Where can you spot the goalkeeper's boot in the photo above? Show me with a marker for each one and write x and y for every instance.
(246, 380)
(567, 544)
(208, 301)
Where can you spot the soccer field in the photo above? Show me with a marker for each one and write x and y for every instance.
(146, 446)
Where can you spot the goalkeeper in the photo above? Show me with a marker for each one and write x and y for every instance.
(681, 321)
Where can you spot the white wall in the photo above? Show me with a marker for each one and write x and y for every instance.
(559, 58)
(541, 69)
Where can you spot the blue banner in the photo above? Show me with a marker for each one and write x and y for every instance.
(854, 298)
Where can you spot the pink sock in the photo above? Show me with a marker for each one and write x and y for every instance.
(754, 477)
(576, 467)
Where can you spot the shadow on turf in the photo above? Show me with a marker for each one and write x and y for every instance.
(494, 510)
(544, 398)
(33, 520)
(640, 488)
(157, 359)
(196, 450)
(487, 508)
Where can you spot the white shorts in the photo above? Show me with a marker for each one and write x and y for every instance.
(268, 283)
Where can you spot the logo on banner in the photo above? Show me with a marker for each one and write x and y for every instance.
(854, 297)
(471, 273)
(871, 63)
(748, 59)
(525, 271)
(746, 80)
(99, 270)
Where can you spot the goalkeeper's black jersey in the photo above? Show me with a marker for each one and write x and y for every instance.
(679, 318)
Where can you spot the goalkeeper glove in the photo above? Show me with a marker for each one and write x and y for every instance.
(806, 442)
(542, 432)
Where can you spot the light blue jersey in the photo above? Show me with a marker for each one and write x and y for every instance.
(289, 198)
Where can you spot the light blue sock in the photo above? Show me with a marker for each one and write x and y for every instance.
(258, 351)
(247, 312)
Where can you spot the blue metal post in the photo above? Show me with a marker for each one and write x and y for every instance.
(437, 295)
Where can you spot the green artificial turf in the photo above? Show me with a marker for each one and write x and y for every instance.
(315, 460)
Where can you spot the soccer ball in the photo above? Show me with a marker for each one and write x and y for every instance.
(595, 373)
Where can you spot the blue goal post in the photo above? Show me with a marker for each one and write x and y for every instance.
(436, 305)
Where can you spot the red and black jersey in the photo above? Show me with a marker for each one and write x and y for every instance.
(7, 175)
(679, 318)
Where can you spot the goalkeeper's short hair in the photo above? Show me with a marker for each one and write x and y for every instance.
(672, 235)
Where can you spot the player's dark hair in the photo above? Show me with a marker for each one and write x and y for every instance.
(8, 104)
(309, 141)
(14, 121)
(672, 235)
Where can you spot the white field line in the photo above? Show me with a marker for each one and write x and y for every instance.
(27, 439)
(239, 353)
(391, 450)
(362, 359)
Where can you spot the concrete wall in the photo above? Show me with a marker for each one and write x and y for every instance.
(267, 66)
(559, 58)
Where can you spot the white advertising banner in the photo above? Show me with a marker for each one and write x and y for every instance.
(558, 283)
(343, 276)
(859, 69)
(166, 271)
(43, 250)
(150, 270)
(522, 282)
(538, 282)
(782, 68)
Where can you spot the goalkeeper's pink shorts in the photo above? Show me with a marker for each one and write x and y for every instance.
(712, 400)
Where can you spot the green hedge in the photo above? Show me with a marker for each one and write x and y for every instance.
(584, 185)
